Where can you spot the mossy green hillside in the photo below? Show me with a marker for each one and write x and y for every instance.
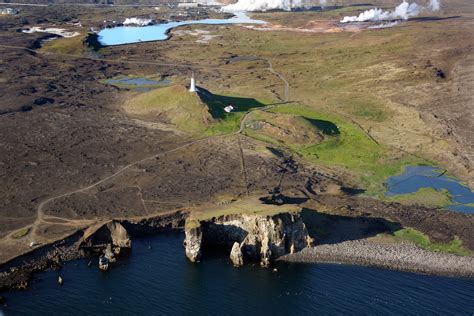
(409, 234)
(425, 196)
(66, 45)
(292, 131)
(348, 146)
(173, 105)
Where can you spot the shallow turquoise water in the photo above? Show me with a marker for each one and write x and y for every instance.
(161, 281)
(417, 177)
(159, 32)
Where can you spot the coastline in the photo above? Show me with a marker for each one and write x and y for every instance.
(400, 256)
(354, 248)
(16, 273)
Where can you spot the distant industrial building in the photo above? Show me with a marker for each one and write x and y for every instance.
(188, 5)
(8, 11)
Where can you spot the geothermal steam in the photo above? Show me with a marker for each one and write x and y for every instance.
(262, 5)
(265, 5)
(403, 12)
(434, 5)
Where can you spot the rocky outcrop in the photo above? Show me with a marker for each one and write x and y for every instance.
(16, 273)
(192, 243)
(110, 239)
(119, 235)
(236, 255)
(111, 233)
(252, 237)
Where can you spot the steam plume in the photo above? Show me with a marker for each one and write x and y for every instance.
(434, 5)
(403, 11)
(262, 5)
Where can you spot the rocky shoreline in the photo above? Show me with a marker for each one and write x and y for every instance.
(260, 238)
(403, 256)
(16, 273)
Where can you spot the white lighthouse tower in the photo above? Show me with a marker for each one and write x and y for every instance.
(192, 87)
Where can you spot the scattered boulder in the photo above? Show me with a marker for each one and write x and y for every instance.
(43, 101)
(109, 253)
(26, 108)
(440, 74)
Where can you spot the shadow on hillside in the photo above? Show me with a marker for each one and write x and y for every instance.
(327, 127)
(332, 229)
(434, 18)
(216, 103)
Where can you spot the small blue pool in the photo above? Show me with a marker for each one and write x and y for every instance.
(159, 32)
(417, 177)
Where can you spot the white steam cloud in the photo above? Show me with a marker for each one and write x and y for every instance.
(137, 21)
(404, 11)
(263, 5)
(434, 5)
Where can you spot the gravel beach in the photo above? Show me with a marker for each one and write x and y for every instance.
(402, 256)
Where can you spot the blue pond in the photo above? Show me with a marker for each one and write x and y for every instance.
(161, 281)
(138, 82)
(159, 32)
(415, 178)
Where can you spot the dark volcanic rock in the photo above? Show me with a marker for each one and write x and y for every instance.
(43, 101)
(16, 273)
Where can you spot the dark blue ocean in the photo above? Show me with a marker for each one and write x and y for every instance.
(161, 281)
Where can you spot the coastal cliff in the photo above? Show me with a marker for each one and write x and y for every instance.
(248, 237)
(112, 237)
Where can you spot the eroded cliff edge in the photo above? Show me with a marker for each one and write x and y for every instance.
(248, 237)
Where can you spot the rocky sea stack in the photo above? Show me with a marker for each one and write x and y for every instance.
(248, 237)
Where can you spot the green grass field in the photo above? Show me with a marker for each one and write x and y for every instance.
(21, 233)
(352, 149)
(424, 196)
(421, 240)
(67, 45)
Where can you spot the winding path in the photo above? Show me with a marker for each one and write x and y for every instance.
(40, 216)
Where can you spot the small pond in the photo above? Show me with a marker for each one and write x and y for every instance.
(417, 177)
(138, 83)
(159, 32)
